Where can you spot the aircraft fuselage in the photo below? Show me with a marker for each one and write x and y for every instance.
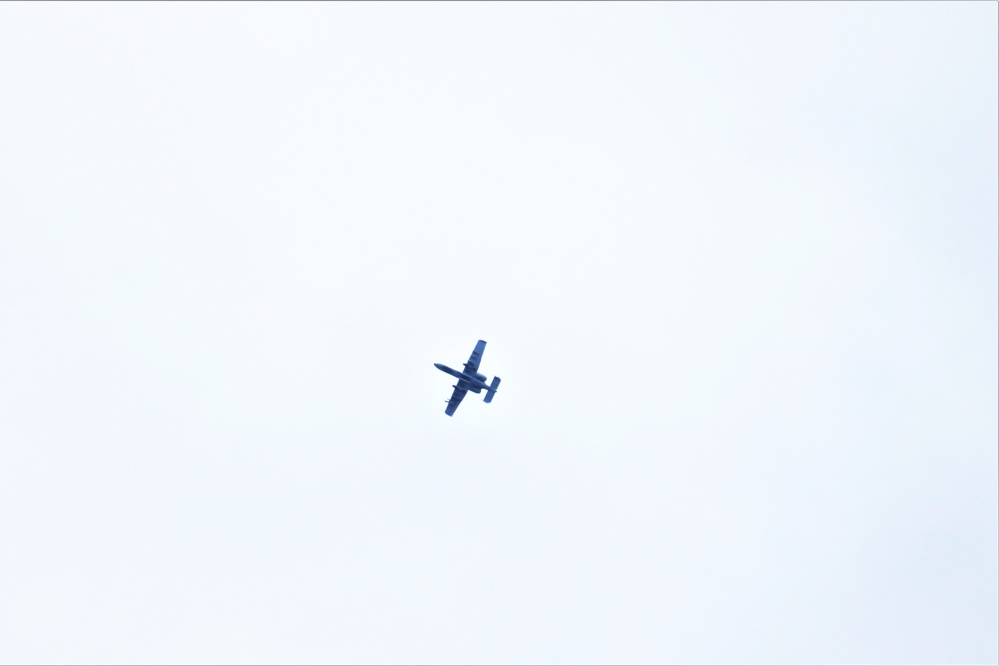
(468, 382)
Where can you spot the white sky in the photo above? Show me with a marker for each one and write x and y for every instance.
(736, 265)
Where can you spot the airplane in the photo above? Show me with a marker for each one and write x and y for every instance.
(469, 380)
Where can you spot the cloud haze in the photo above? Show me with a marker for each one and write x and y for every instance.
(736, 265)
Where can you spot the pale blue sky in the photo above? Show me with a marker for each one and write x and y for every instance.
(736, 264)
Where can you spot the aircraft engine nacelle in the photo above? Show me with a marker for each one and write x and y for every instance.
(477, 388)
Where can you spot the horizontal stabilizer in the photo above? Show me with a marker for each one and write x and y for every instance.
(492, 390)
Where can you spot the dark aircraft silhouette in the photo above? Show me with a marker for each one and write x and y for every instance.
(469, 380)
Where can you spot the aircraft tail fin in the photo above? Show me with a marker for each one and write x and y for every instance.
(491, 391)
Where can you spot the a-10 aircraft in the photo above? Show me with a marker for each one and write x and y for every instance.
(469, 380)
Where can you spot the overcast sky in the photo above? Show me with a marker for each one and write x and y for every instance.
(736, 264)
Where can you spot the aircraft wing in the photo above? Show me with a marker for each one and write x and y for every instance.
(455, 400)
(476, 357)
